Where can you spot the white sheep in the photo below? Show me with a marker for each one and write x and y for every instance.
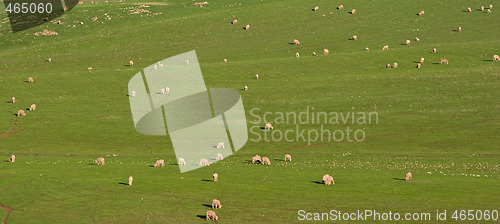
(89, 69)
(159, 162)
(133, 93)
(386, 47)
(204, 162)
(297, 54)
(407, 42)
(353, 11)
(155, 67)
(421, 13)
(21, 113)
(488, 11)
(496, 58)
(167, 90)
(408, 176)
(215, 176)
(296, 42)
(247, 27)
(355, 37)
(245, 88)
(325, 178)
(329, 180)
(288, 157)
(266, 160)
(314, 53)
(459, 29)
(316, 8)
(219, 156)
(491, 6)
(49, 60)
(131, 63)
(211, 215)
(416, 39)
(187, 62)
(13, 99)
(225, 60)
(482, 8)
(388, 66)
(434, 50)
(422, 60)
(340, 7)
(395, 65)
(216, 204)
(326, 51)
(182, 161)
(33, 107)
(30, 79)
(256, 158)
(268, 127)
(100, 161)
(162, 91)
(12, 158)
(220, 145)
(234, 21)
(256, 76)
(419, 65)
(130, 180)
(443, 60)
(469, 9)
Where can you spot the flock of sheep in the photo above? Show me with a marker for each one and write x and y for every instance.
(32, 106)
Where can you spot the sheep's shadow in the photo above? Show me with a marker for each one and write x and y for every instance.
(456, 31)
(435, 63)
(316, 182)
(207, 205)
(15, 115)
(291, 43)
(488, 60)
(350, 12)
(202, 216)
(214, 146)
(400, 179)
(173, 164)
(26, 81)
(123, 183)
(416, 62)
(127, 65)
(9, 102)
(93, 164)
(129, 95)
(250, 162)
(281, 160)
(151, 166)
(206, 180)
(7, 161)
(263, 128)
(403, 44)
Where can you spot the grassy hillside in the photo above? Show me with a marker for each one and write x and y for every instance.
(436, 120)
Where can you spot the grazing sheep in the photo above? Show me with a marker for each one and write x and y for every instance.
(325, 178)
(329, 180)
(247, 27)
(353, 11)
(256, 158)
(354, 37)
(211, 215)
(443, 60)
(297, 54)
(459, 29)
(288, 157)
(234, 21)
(488, 11)
(326, 51)
(296, 42)
(268, 127)
(491, 6)
(395, 65)
(407, 42)
(220, 145)
(469, 9)
(225, 60)
(245, 88)
(219, 156)
(131, 63)
(421, 13)
(13, 99)
(434, 50)
(159, 162)
(416, 39)
(187, 62)
(496, 58)
(266, 160)
(21, 113)
(418, 65)
(367, 49)
(182, 161)
(100, 161)
(133, 93)
(204, 162)
(422, 60)
(408, 176)
(316, 8)
(256, 76)
(386, 47)
(314, 53)
(30, 79)
(482, 8)
(216, 204)
(33, 107)
(162, 91)
(155, 67)
(130, 180)
(89, 69)
(215, 176)
(388, 66)
(340, 7)
(49, 60)
(12, 159)
(167, 90)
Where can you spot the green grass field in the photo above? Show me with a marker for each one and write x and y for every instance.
(441, 122)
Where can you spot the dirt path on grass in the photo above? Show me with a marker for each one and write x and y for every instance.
(8, 210)
(12, 130)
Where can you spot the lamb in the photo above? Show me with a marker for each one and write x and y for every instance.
(297, 54)
(100, 161)
(234, 21)
(395, 65)
(496, 58)
(418, 65)
(288, 157)
(266, 160)
(12, 159)
(469, 9)
(215, 176)
(256, 158)
(225, 60)
(459, 29)
(326, 51)
(182, 161)
(491, 6)
(407, 42)
(422, 60)
(13, 99)
(30, 79)
(21, 113)
(482, 8)
(325, 178)
(131, 63)
(408, 176)
(204, 162)
(89, 69)
(388, 66)
(256, 76)
(219, 156)
(488, 11)
(211, 215)
(354, 37)
(386, 47)
(159, 162)
(187, 62)
(268, 127)
(421, 13)
(33, 107)
(340, 7)
(220, 145)
(443, 60)
(296, 42)
(247, 27)
(245, 88)
(49, 60)
(130, 180)
(353, 11)
(416, 39)
(434, 50)
(316, 8)
(133, 93)
(216, 204)
(314, 53)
